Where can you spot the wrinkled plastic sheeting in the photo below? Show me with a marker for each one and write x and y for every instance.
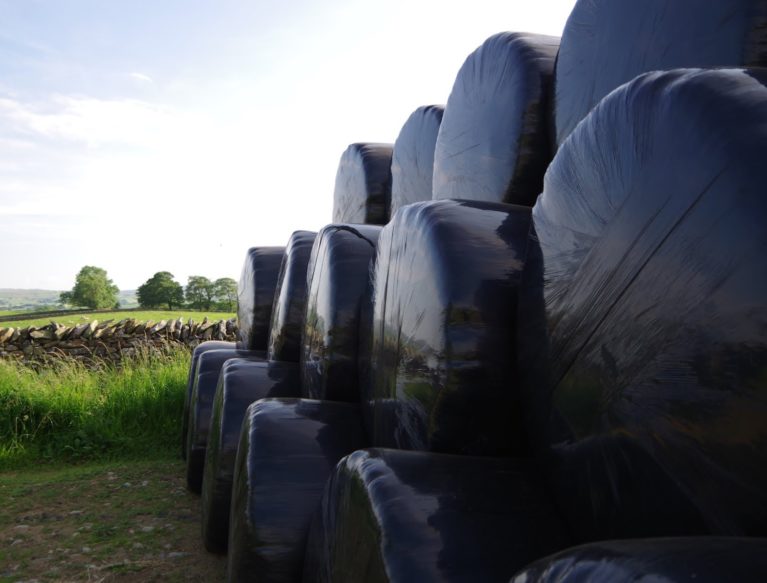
(668, 560)
(338, 282)
(412, 162)
(255, 296)
(402, 516)
(494, 143)
(242, 382)
(287, 450)
(643, 311)
(362, 192)
(198, 350)
(607, 43)
(204, 386)
(290, 299)
(442, 374)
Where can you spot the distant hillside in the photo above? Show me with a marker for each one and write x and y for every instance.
(128, 298)
(40, 299)
(28, 299)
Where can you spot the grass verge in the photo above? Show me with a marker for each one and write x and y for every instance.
(69, 413)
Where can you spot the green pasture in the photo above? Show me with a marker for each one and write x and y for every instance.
(142, 316)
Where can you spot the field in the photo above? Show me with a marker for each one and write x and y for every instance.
(143, 316)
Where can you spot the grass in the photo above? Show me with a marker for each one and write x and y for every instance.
(144, 315)
(70, 413)
(8, 313)
(90, 479)
(122, 521)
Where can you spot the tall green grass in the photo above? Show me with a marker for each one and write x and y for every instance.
(70, 413)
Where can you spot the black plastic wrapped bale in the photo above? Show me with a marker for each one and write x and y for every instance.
(242, 382)
(643, 311)
(412, 162)
(494, 143)
(287, 450)
(338, 280)
(208, 369)
(198, 350)
(399, 516)
(668, 560)
(443, 371)
(606, 43)
(362, 192)
(255, 296)
(290, 299)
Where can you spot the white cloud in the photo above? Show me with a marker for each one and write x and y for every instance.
(94, 122)
(141, 77)
(56, 206)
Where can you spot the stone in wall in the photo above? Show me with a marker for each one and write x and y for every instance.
(108, 340)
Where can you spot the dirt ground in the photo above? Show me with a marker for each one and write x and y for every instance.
(131, 521)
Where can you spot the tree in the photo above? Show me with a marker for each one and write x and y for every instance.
(160, 289)
(225, 293)
(93, 289)
(199, 292)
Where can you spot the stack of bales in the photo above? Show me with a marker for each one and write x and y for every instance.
(537, 321)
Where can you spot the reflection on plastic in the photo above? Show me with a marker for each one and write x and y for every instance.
(442, 365)
(363, 185)
(338, 280)
(208, 369)
(494, 143)
(255, 296)
(645, 308)
(606, 43)
(198, 350)
(290, 299)
(412, 163)
(392, 515)
(288, 448)
(242, 382)
(699, 559)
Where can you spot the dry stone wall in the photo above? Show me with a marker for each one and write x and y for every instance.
(108, 340)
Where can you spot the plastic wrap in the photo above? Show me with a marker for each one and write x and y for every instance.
(338, 280)
(494, 144)
(255, 296)
(443, 371)
(609, 42)
(242, 382)
(363, 185)
(198, 350)
(290, 299)
(644, 311)
(412, 162)
(209, 366)
(288, 448)
(699, 559)
(401, 516)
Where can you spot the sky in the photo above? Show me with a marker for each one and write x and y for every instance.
(173, 135)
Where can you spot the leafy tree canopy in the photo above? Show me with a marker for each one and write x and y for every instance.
(93, 289)
(225, 293)
(160, 289)
(199, 292)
